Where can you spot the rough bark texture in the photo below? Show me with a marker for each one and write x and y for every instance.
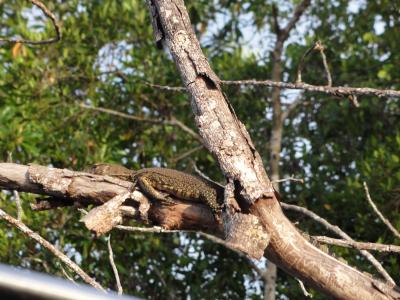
(223, 134)
(81, 189)
(229, 141)
(115, 199)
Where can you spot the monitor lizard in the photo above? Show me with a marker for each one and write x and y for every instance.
(161, 183)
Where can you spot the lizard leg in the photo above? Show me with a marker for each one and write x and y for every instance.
(147, 188)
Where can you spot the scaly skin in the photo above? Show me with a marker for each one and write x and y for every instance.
(159, 183)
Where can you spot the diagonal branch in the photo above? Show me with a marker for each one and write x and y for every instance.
(380, 215)
(53, 19)
(342, 234)
(356, 245)
(298, 11)
(33, 235)
(113, 266)
(172, 122)
(292, 106)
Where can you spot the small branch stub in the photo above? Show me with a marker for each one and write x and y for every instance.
(103, 218)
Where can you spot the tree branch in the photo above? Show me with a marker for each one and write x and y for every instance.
(226, 138)
(34, 236)
(53, 19)
(380, 215)
(338, 91)
(172, 122)
(113, 266)
(356, 245)
(298, 12)
(342, 234)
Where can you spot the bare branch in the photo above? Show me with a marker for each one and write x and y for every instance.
(338, 91)
(318, 46)
(303, 288)
(298, 11)
(285, 114)
(114, 267)
(172, 122)
(67, 275)
(166, 87)
(175, 122)
(301, 180)
(357, 245)
(380, 215)
(302, 63)
(157, 229)
(342, 234)
(186, 154)
(53, 19)
(201, 174)
(275, 23)
(19, 206)
(33, 235)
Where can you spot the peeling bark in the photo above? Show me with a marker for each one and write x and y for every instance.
(81, 189)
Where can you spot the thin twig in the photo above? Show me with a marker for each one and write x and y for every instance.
(353, 99)
(380, 215)
(166, 87)
(67, 275)
(201, 174)
(318, 46)
(18, 203)
(172, 122)
(289, 179)
(339, 91)
(185, 154)
(35, 236)
(157, 229)
(154, 229)
(357, 245)
(285, 114)
(342, 234)
(175, 122)
(303, 288)
(114, 267)
(301, 63)
(53, 19)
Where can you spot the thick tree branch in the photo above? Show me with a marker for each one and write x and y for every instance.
(229, 141)
(82, 189)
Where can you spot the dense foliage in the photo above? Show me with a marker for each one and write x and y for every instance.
(106, 59)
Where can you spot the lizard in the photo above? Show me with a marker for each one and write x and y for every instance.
(159, 183)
